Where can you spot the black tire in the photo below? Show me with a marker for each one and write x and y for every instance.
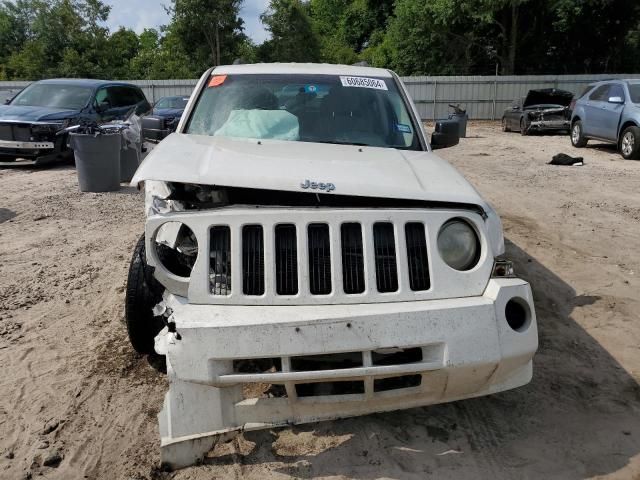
(577, 135)
(524, 128)
(630, 143)
(143, 293)
(505, 125)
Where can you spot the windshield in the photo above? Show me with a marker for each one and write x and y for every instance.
(178, 103)
(305, 108)
(634, 92)
(71, 97)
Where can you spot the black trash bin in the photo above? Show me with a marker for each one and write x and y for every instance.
(97, 158)
(461, 117)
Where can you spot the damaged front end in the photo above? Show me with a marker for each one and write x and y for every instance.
(32, 142)
(294, 310)
(547, 110)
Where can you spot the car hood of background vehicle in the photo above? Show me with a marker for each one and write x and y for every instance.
(547, 96)
(282, 165)
(34, 114)
(168, 112)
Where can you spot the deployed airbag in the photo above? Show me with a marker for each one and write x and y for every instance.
(262, 124)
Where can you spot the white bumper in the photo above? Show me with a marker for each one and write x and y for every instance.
(467, 350)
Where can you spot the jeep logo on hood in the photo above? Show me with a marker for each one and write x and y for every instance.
(327, 187)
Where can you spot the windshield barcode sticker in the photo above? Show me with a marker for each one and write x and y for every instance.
(363, 82)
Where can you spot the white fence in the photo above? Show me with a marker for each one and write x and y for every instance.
(484, 97)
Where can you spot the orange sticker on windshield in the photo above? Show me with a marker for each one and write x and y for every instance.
(217, 80)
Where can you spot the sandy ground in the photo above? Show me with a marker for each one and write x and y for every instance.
(73, 394)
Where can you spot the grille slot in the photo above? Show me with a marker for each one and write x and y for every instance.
(396, 383)
(385, 254)
(252, 260)
(220, 261)
(417, 257)
(352, 258)
(330, 388)
(319, 259)
(286, 260)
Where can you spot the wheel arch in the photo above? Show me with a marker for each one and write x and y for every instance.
(624, 126)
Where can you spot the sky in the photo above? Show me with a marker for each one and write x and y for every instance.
(141, 14)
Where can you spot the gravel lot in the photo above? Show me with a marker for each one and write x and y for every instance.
(74, 396)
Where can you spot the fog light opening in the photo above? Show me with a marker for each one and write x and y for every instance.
(518, 314)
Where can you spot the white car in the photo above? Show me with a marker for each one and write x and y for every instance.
(307, 257)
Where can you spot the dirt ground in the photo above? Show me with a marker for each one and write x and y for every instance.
(74, 396)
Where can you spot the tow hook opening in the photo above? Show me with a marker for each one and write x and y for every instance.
(518, 314)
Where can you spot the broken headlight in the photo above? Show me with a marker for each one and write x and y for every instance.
(176, 248)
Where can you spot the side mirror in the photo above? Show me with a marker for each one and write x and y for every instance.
(7, 101)
(446, 134)
(515, 107)
(616, 100)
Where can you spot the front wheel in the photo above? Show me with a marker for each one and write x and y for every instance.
(524, 127)
(505, 126)
(143, 293)
(630, 143)
(577, 137)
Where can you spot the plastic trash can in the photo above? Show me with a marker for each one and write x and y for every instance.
(461, 117)
(97, 161)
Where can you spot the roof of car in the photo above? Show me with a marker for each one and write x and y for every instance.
(301, 68)
(83, 82)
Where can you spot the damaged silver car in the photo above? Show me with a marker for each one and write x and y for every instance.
(544, 110)
(308, 257)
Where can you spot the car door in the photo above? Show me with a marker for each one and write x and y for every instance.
(513, 115)
(593, 123)
(612, 111)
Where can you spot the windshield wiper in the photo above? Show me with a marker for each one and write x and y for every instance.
(337, 142)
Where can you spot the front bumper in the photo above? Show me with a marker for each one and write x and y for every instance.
(550, 125)
(467, 350)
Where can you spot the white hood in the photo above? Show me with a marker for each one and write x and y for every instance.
(283, 165)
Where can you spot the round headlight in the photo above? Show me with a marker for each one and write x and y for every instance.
(459, 245)
(177, 248)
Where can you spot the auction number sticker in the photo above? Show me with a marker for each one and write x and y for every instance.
(363, 82)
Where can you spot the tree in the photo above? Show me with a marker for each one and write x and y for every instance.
(293, 38)
(211, 30)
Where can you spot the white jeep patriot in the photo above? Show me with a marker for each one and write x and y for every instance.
(307, 257)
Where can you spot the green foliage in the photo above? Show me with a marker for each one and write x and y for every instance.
(54, 38)
(292, 36)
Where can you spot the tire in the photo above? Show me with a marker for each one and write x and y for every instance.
(577, 137)
(630, 143)
(524, 128)
(143, 293)
(505, 126)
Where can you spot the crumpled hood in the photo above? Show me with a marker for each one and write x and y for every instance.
(282, 165)
(547, 96)
(34, 114)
